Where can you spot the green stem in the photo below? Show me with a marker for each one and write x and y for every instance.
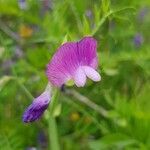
(52, 124)
(53, 134)
(100, 23)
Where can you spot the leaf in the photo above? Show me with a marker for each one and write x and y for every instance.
(118, 140)
(110, 71)
(4, 80)
(57, 110)
(86, 26)
(65, 39)
(2, 50)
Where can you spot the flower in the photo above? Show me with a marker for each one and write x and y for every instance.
(22, 4)
(38, 106)
(75, 116)
(42, 140)
(138, 40)
(142, 13)
(74, 61)
(31, 148)
(25, 31)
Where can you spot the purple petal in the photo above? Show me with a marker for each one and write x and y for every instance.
(87, 54)
(138, 40)
(37, 108)
(69, 57)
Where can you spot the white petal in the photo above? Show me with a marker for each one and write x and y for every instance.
(91, 73)
(80, 77)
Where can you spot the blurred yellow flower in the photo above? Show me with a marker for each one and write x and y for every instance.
(25, 31)
(75, 116)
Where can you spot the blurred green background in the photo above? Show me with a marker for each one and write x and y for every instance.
(31, 31)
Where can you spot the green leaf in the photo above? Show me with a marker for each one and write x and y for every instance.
(118, 140)
(86, 26)
(4, 80)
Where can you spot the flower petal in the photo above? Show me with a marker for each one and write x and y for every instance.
(87, 54)
(91, 73)
(37, 108)
(63, 64)
(80, 77)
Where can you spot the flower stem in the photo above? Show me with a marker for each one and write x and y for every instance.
(52, 124)
(87, 102)
(53, 134)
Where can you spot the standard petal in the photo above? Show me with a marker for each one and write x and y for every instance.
(87, 54)
(63, 64)
(80, 77)
(91, 73)
(37, 108)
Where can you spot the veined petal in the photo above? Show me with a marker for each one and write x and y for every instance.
(63, 64)
(37, 108)
(91, 73)
(80, 77)
(87, 54)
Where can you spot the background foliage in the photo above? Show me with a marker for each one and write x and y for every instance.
(31, 31)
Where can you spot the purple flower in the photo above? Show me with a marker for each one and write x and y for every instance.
(142, 14)
(46, 5)
(31, 148)
(37, 108)
(89, 14)
(138, 40)
(42, 140)
(22, 4)
(74, 61)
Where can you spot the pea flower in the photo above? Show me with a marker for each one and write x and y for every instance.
(73, 61)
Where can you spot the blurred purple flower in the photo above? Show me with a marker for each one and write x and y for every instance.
(142, 13)
(46, 5)
(74, 61)
(31, 148)
(89, 14)
(138, 40)
(112, 25)
(18, 52)
(7, 65)
(42, 140)
(22, 4)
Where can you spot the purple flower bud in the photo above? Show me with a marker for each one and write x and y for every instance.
(37, 108)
